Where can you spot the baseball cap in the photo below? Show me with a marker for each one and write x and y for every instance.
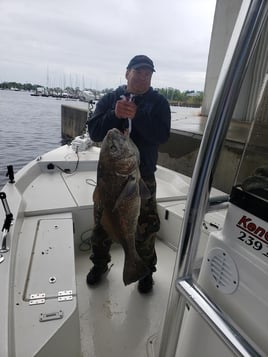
(141, 61)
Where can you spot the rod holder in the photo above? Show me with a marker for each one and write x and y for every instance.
(7, 224)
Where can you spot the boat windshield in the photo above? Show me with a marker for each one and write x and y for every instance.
(252, 174)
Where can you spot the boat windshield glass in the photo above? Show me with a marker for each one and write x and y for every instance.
(252, 173)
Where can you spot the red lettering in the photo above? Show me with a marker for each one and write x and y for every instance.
(246, 224)
(251, 227)
(260, 232)
(243, 221)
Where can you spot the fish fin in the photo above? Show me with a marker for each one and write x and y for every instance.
(134, 269)
(128, 190)
(96, 195)
(144, 190)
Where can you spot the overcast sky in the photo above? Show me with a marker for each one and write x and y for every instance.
(89, 43)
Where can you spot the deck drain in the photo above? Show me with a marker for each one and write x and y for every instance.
(52, 279)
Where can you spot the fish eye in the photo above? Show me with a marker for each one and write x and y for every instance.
(113, 147)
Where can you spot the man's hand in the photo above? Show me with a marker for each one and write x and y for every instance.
(125, 109)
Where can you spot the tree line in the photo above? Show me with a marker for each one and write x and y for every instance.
(182, 98)
(173, 95)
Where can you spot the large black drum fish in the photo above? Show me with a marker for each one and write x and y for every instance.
(118, 193)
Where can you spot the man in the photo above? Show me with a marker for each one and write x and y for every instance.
(146, 114)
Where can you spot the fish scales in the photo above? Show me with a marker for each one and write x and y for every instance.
(118, 194)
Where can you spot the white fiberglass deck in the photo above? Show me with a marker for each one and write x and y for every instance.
(116, 320)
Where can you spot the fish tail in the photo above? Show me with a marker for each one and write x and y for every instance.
(134, 269)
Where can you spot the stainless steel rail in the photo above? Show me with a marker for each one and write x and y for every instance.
(245, 37)
(217, 320)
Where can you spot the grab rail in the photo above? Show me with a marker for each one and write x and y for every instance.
(216, 319)
(245, 36)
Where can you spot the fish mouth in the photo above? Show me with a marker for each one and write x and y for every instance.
(114, 132)
(119, 147)
(115, 137)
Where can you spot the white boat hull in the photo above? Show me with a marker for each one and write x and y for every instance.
(44, 292)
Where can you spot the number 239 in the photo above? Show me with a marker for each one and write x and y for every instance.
(256, 244)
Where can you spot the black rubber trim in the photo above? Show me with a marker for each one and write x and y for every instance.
(250, 202)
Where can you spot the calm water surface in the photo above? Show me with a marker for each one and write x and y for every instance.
(29, 127)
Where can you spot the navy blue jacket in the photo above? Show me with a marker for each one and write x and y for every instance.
(150, 127)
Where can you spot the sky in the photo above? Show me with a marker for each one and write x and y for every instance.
(84, 43)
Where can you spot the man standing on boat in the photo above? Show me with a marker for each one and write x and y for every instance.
(146, 114)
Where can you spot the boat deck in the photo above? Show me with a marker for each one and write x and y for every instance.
(44, 272)
(116, 320)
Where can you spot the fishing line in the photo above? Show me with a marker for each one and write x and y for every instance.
(91, 182)
(129, 99)
(85, 244)
(68, 171)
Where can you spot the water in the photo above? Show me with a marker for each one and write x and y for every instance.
(30, 126)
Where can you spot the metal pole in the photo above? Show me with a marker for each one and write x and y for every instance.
(244, 39)
(223, 327)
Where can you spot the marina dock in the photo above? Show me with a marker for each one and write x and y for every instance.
(181, 150)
